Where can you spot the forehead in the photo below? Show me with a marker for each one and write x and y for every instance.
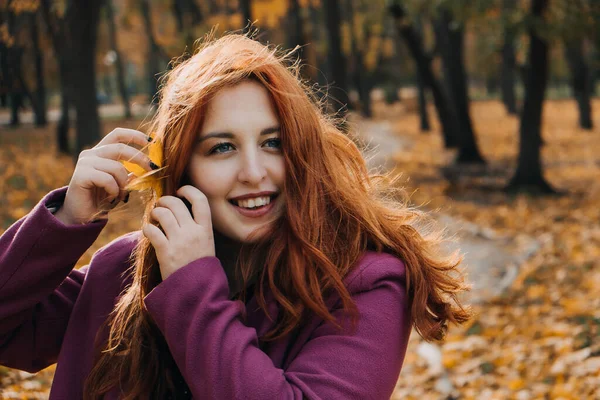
(240, 107)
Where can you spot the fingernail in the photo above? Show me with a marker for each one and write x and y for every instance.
(153, 166)
(149, 138)
(126, 198)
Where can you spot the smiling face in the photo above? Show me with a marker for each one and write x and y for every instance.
(238, 163)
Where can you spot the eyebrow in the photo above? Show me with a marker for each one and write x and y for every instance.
(229, 135)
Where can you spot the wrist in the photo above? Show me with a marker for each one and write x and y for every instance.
(62, 216)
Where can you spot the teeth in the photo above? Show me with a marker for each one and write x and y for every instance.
(253, 203)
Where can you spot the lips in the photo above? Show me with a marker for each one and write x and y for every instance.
(243, 199)
(254, 195)
(255, 212)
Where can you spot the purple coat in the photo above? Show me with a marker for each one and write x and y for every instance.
(50, 313)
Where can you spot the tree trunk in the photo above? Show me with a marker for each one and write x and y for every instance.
(359, 74)
(363, 86)
(56, 30)
(528, 175)
(246, 9)
(153, 53)
(39, 96)
(413, 42)
(82, 82)
(187, 14)
(297, 36)
(509, 63)
(451, 46)
(421, 91)
(14, 55)
(423, 114)
(62, 129)
(16, 102)
(508, 74)
(338, 80)
(355, 61)
(74, 38)
(581, 81)
(317, 62)
(112, 37)
(3, 75)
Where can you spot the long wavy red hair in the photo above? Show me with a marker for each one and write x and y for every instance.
(335, 211)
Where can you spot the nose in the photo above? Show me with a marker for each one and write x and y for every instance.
(252, 169)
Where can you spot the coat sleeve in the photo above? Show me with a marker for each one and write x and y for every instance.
(219, 356)
(38, 286)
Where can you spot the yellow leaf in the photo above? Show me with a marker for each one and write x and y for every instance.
(155, 154)
(516, 384)
(536, 291)
(147, 180)
(575, 306)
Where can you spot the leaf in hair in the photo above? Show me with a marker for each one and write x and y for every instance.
(147, 180)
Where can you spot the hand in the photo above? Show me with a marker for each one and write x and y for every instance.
(183, 238)
(99, 178)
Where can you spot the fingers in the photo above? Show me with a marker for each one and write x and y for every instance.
(154, 234)
(115, 168)
(200, 207)
(165, 217)
(105, 181)
(176, 206)
(121, 152)
(125, 136)
(111, 167)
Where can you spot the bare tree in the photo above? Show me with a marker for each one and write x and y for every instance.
(74, 36)
(112, 37)
(509, 62)
(528, 175)
(38, 95)
(188, 15)
(339, 89)
(154, 52)
(423, 61)
(246, 9)
(450, 42)
(581, 78)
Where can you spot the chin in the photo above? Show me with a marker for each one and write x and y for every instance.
(254, 235)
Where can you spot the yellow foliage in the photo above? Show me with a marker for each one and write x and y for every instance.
(269, 12)
(516, 384)
(536, 291)
(576, 306)
(552, 309)
(147, 180)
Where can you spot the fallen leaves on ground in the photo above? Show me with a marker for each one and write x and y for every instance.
(541, 339)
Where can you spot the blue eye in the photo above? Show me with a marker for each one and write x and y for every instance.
(221, 148)
(275, 143)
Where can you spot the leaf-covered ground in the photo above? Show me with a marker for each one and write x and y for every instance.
(540, 340)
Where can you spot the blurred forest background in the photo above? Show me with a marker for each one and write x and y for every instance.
(487, 107)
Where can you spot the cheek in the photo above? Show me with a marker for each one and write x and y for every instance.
(210, 179)
(278, 169)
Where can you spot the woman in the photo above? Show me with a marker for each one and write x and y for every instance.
(293, 274)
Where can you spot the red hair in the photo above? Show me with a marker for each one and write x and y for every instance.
(335, 211)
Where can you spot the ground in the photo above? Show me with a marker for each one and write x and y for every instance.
(538, 338)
